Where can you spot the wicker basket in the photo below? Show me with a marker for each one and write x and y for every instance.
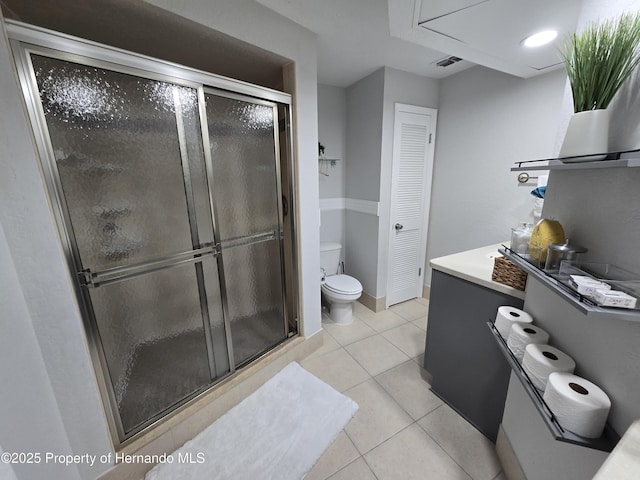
(508, 273)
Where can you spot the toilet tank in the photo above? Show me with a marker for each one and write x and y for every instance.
(330, 257)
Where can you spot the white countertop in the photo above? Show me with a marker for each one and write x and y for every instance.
(474, 266)
(624, 462)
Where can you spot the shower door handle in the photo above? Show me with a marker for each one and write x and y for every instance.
(399, 226)
(95, 279)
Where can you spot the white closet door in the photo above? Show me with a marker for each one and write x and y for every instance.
(414, 133)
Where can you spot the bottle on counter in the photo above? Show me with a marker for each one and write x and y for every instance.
(520, 236)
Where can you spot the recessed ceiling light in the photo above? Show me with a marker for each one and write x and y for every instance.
(540, 38)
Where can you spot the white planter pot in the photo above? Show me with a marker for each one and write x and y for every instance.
(587, 134)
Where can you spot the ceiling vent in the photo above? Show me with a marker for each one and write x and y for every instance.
(446, 61)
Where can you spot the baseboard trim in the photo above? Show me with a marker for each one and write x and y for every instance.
(327, 204)
(363, 206)
(368, 207)
(426, 291)
(372, 303)
(380, 303)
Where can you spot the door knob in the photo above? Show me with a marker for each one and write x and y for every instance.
(399, 226)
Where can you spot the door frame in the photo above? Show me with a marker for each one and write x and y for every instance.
(427, 187)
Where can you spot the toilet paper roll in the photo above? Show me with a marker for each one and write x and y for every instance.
(507, 316)
(540, 361)
(579, 405)
(523, 334)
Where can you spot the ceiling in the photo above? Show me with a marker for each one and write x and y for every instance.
(357, 37)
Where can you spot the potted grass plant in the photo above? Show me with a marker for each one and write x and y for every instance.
(598, 60)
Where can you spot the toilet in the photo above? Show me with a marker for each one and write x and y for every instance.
(339, 291)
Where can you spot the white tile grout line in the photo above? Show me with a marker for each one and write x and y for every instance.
(375, 332)
(442, 447)
(338, 326)
(403, 409)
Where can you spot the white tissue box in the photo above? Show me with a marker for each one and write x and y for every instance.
(614, 298)
(587, 285)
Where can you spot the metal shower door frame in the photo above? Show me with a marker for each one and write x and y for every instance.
(26, 40)
(279, 233)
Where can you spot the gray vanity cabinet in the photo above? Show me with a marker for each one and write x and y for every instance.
(468, 371)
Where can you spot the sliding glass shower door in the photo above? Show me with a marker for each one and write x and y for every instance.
(243, 138)
(170, 203)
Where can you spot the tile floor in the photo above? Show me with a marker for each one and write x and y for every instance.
(402, 430)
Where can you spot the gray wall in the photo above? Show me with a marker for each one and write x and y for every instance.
(605, 350)
(599, 209)
(364, 145)
(624, 128)
(411, 89)
(365, 109)
(601, 212)
(487, 120)
(332, 133)
(540, 456)
(370, 118)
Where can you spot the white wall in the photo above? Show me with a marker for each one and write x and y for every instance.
(41, 273)
(42, 276)
(487, 120)
(332, 133)
(27, 401)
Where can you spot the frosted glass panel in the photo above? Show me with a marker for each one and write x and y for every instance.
(244, 166)
(116, 145)
(254, 290)
(152, 332)
(130, 172)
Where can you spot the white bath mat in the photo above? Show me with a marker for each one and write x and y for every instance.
(278, 432)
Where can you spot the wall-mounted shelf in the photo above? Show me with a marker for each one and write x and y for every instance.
(582, 303)
(324, 164)
(623, 159)
(332, 161)
(605, 443)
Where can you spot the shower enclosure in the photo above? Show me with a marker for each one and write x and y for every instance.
(167, 189)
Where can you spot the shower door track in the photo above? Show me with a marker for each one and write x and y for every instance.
(26, 40)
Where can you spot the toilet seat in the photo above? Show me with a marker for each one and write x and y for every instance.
(342, 284)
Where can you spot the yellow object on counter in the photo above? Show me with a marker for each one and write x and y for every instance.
(544, 234)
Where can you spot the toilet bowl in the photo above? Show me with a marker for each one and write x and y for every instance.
(339, 291)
